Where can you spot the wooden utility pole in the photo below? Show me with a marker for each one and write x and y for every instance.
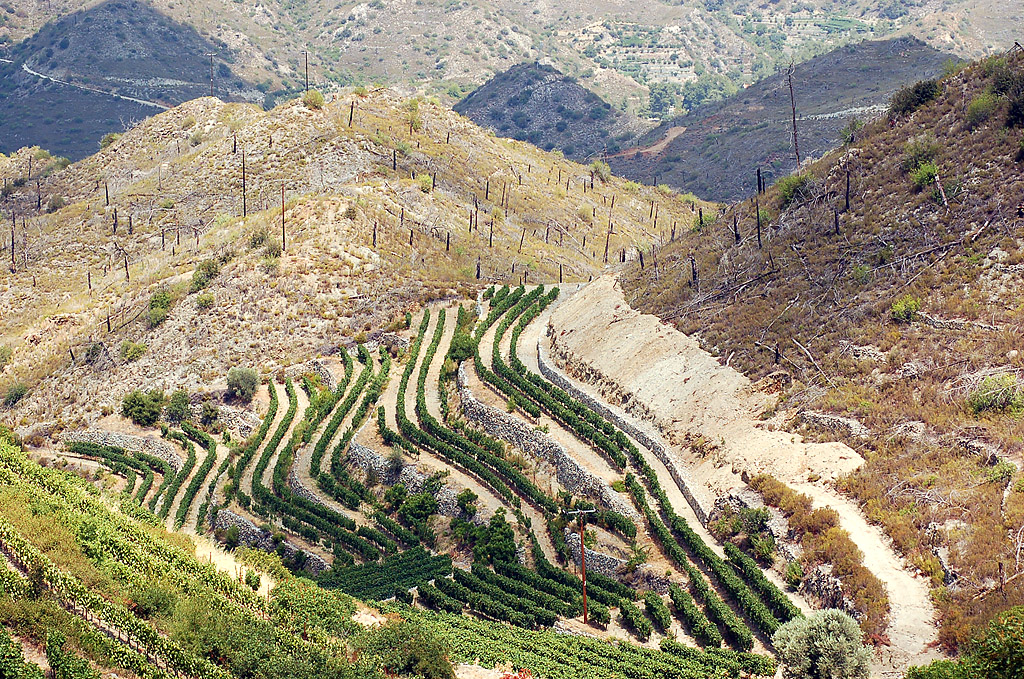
(583, 558)
(211, 55)
(305, 55)
(792, 102)
(245, 206)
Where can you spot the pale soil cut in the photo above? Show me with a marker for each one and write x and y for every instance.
(683, 390)
(210, 552)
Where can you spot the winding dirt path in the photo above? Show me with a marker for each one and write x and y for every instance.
(661, 367)
(912, 629)
(654, 148)
(192, 518)
(143, 102)
(303, 403)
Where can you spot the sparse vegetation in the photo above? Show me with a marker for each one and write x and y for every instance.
(913, 97)
(132, 351)
(313, 100)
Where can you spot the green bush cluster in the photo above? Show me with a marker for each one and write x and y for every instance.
(132, 351)
(912, 97)
(242, 383)
(999, 394)
(791, 188)
(313, 100)
(159, 307)
(905, 309)
(143, 408)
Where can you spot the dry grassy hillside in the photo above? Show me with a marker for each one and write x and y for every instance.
(900, 312)
(376, 221)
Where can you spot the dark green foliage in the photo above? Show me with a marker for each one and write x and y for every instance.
(63, 663)
(143, 408)
(242, 383)
(159, 307)
(498, 542)
(658, 611)
(703, 630)
(997, 653)
(378, 580)
(912, 97)
(401, 647)
(204, 273)
(15, 393)
(177, 406)
(12, 664)
(634, 620)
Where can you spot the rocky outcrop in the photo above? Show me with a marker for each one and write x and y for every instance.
(835, 424)
(394, 342)
(251, 535)
(571, 476)
(389, 473)
(822, 585)
(148, 445)
(695, 496)
(245, 422)
(316, 367)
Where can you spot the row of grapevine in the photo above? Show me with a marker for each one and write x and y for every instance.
(560, 656)
(207, 441)
(253, 444)
(125, 539)
(339, 414)
(120, 463)
(697, 624)
(635, 621)
(381, 580)
(296, 510)
(716, 609)
(774, 598)
(499, 465)
(172, 489)
(750, 603)
(415, 437)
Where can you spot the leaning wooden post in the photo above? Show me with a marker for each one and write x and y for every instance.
(607, 240)
(757, 209)
(693, 271)
(521, 239)
(847, 189)
(351, 112)
(736, 228)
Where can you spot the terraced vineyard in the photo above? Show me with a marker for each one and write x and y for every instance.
(374, 522)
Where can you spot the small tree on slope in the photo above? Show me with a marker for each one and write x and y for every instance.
(826, 645)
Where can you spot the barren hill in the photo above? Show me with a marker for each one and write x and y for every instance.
(408, 203)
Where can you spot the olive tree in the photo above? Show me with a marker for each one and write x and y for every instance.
(242, 383)
(825, 645)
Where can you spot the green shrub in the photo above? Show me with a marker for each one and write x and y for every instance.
(905, 309)
(177, 406)
(108, 139)
(997, 654)
(242, 383)
(426, 182)
(313, 100)
(15, 393)
(999, 393)
(204, 300)
(601, 170)
(5, 355)
(401, 647)
(143, 408)
(159, 307)
(204, 273)
(131, 351)
(794, 574)
(918, 150)
(925, 175)
(913, 97)
(981, 108)
(862, 274)
(792, 187)
(826, 644)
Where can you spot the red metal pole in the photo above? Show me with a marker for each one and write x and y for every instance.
(583, 570)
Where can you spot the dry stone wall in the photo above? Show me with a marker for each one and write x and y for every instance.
(695, 496)
(317, 367)
(251, 535)
(148, 445)
(571, 476)
(370, 461)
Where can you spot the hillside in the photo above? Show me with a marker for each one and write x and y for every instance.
(538, 104)
(713, 150)
(102, 69)
(617, 49)
(897, 319)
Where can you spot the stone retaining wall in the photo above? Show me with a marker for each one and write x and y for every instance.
(250, 535)
(695, 496)
(315, 366)
(149, 445)
(569, 473)
(367, 460)
(245, 422)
